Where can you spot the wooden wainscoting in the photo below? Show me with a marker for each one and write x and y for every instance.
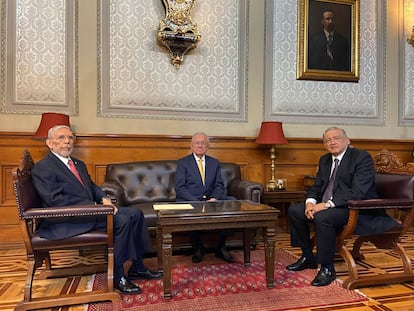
(293, 161)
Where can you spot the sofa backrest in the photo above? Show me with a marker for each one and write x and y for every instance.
(229, 172)
(146, 181)
(153, 181)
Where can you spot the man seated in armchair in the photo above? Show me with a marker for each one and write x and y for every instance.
(344, 174)
(62, 180)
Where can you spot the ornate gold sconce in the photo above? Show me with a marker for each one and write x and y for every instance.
(411, 38)
(409, 21)
(177, 32)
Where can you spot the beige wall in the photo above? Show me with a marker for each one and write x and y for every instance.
(88, 122)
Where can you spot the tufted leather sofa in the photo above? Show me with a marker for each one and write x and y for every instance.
(141, 184)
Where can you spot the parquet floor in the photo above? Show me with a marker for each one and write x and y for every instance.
(388, 297)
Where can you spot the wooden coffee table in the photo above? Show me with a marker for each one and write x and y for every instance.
(243, 215)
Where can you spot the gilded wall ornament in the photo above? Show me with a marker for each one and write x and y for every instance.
(177, 32)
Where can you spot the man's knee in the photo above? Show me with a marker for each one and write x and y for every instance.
(296, 210)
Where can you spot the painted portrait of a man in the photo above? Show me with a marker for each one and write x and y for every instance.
(329, 36)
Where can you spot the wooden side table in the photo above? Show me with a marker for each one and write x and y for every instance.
(282, 200)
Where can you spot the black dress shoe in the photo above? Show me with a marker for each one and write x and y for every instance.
(147, 274)
(127, 287)
(198, 254)
(302, 264)
(324, 277)
(224, 254)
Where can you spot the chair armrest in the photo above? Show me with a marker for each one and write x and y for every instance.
(114, 189)
(380, 203)
(69, 211)
(246, 190)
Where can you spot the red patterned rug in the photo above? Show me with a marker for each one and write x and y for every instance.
(215, 285)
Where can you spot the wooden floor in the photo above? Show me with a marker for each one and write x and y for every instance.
(399, 297)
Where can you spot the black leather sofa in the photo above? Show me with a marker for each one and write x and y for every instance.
(141, 184)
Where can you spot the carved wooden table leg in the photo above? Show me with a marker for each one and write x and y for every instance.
(159, 248)
(269, 243)
(246, 246)
(166, 263)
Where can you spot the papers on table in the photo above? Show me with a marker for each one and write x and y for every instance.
(172, 206)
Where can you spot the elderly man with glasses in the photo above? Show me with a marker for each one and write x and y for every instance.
(62, 180)
(198, 178)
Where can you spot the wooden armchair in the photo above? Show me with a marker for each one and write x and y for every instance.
(395, 187)
(38, 249)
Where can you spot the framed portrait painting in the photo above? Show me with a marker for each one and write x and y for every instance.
(328, 40)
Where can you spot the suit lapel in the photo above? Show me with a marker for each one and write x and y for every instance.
(342, 165)
(196, 170)
(85, 178)
(61, 167)
(207, 172)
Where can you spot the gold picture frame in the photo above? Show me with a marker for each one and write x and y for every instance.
(337, 20)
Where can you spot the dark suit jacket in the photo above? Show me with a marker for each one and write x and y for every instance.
(355, 180)
(318, 57)
(57, 186)
(188, 183)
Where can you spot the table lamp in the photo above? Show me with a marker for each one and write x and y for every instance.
(271, 133)
(49, 120)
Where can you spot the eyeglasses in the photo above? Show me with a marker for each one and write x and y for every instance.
(61, 138)
(200, 143)
(333, 139)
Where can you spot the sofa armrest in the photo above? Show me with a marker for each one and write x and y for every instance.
(114, 190)
(245, 190)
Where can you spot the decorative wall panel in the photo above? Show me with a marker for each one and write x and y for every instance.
(302, 101)
(38, 56)
(406, 65)
(136, 78)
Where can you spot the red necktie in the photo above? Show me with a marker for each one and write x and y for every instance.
(75, 171)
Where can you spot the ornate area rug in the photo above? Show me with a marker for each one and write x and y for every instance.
(216, 285)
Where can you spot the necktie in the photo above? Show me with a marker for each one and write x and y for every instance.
(75, 171)
(327, 195)
(201, 169)
(329, 49)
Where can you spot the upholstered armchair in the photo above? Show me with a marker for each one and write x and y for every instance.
(38, 249)
(395, 187)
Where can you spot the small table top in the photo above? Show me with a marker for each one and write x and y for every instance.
(205, 208)
(219, 214)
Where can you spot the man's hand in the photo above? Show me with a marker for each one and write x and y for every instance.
(107, 201)
(311, 209)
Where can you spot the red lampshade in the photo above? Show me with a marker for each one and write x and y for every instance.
(49, 120)
(271, 133)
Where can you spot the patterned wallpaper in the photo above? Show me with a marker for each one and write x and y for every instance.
(38, 66)
(407, 67)
(137, 78)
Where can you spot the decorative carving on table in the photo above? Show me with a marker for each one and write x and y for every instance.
(177, 32)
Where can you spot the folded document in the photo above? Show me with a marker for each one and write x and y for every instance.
(172, 206)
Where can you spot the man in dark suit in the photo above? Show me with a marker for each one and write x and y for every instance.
(328, 50)
(198, 178)
(344, 173)
(62, 180)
